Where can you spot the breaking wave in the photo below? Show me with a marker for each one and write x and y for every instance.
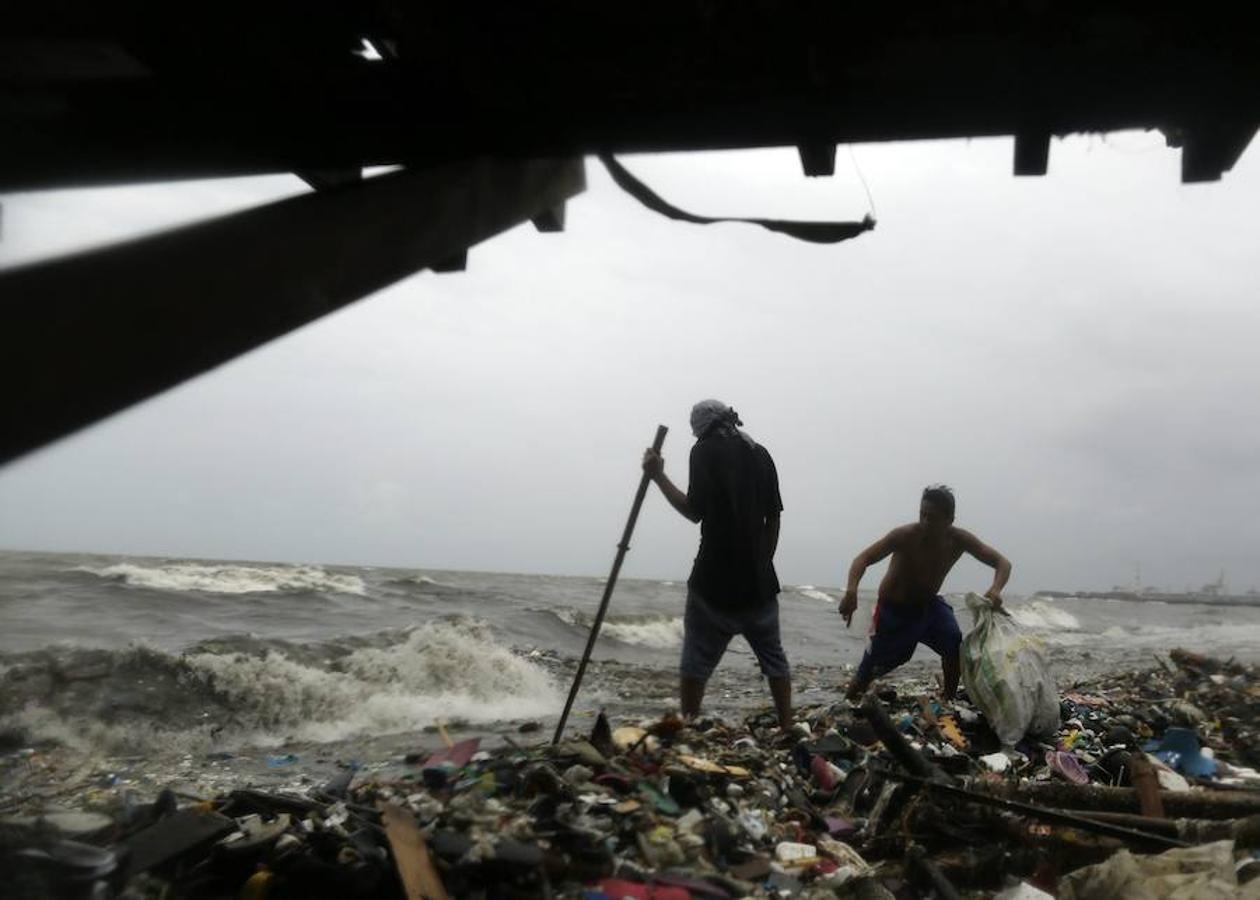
(230, 578)
(808, 590)
(658, 632)
(245, 690)
(1043, 615)
(426, 583)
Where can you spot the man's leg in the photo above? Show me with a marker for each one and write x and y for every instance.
(891, 644)
(944, 636)
(781, 691)
(691, 694)
(951, 668)
(704, 642)
(761, 630)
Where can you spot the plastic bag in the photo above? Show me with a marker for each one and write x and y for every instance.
(1006, 675)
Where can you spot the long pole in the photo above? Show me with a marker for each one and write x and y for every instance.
(622, 548)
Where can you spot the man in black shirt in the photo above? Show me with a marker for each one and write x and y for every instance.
(733, 492)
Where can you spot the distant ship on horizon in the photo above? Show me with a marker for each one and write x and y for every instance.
(1214, 593)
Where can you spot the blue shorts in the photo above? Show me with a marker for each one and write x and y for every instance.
(707, 631)
(896, 630)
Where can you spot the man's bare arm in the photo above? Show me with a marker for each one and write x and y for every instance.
(990, 557)
(654, 466)
(863, 561)
(772, 533)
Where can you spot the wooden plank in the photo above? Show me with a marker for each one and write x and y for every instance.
(1146, 785)
(94, 333)
(419, 877)
(168, 839)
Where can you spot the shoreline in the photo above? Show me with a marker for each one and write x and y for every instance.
(730, 803)
(93, 778)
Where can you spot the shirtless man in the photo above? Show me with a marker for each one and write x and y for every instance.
(910, 610)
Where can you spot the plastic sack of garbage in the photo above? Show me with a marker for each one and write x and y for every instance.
(1006, 675)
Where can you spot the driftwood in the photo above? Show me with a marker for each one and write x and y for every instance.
(1197, 804)
(930, 874)
(1056, 816)
(419, 877)
(1145, 785)
(907, 757)
(1196, 831)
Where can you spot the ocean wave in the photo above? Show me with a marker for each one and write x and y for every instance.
(658, 632)
(808, 590)
(231, 578)
(244, 690)
(1043, 615)
(427, 583)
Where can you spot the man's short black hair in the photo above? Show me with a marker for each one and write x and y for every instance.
(940, 496)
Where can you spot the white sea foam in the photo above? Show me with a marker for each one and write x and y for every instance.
(659, 634)
(231, 579)
(442, 670)
(808, 590)
(1043, 615)
(654, 632)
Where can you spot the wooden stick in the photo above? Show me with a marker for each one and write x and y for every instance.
(622, 549)
(415, 867)
(907, 757)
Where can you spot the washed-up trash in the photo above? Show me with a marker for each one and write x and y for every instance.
(618, 889)
(282, 759)
(1066, 766)
(949, 729)
(455, 756)
(1193, 872)
(1006, 675)
(1169, 780)
(825, 775)
(849, 806)
(996, 762)
(788, 851)
(843, 855)
(71, 869)
(704, 765)
(75, 823)
(181, 834)
(1179, 748)
(660, 800)
(629, 736)
(1023, 891)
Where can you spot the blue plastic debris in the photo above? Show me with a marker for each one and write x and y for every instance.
(1179, 748)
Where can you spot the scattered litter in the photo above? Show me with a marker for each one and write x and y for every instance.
(1149, 780)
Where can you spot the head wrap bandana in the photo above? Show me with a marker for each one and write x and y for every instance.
(713, 417)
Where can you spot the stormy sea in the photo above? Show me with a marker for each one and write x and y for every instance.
(209, 673)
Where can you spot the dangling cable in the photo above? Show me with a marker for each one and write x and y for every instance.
(862, 178)
(815, 232)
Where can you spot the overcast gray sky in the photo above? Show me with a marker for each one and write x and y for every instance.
(1075, 354)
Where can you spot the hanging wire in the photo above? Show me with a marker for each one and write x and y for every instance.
(862, 178)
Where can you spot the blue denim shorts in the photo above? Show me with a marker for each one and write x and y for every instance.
(708, 631)
(897, 630)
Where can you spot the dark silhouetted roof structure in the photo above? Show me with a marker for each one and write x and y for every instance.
(490, 107)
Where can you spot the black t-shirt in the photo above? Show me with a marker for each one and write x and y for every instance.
(733, 487)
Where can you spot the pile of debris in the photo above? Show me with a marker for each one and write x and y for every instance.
(1148, 784)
